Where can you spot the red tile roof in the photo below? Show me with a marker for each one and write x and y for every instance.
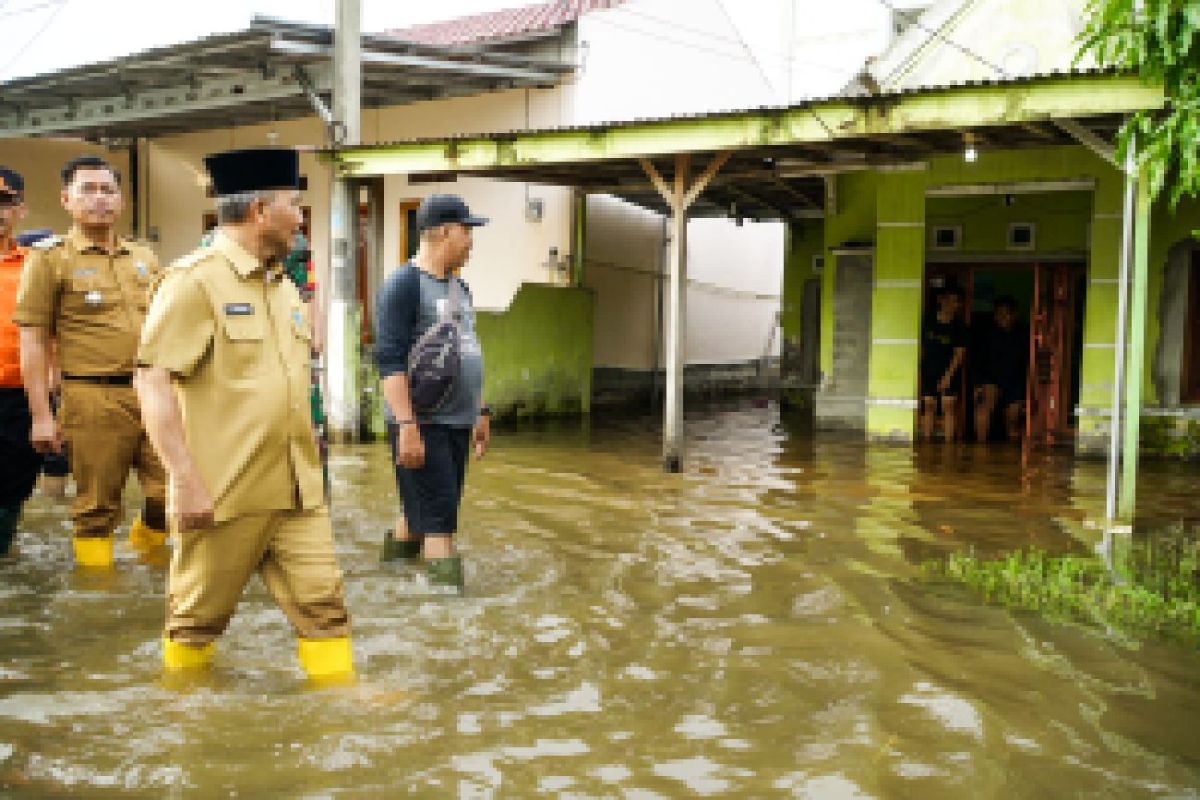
(503, 24)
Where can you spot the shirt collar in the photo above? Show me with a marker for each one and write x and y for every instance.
(243, 262)
(85, 245)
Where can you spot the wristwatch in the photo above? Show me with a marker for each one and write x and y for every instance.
(485, 411)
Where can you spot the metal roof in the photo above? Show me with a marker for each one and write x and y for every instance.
(779, 155)
(263, 73)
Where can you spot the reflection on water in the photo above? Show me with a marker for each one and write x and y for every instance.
(756, 627)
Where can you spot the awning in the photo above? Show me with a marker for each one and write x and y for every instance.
(264, 73)
(777, 157)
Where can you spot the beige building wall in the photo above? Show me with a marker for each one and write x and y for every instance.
(39, 161)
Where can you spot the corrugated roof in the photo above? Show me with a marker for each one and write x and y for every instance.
(881, 98)
(503, 24)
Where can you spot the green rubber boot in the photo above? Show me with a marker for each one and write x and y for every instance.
(407, 551)
(8, 529)
(446, 573)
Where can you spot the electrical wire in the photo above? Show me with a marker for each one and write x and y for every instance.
(746, 47)
(33, 39)
(16, 12)
(961, 48)
(843, 70)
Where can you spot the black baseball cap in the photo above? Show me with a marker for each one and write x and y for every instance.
(441, 209)
(12, 185)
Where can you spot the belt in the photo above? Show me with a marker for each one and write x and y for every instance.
(125, 379)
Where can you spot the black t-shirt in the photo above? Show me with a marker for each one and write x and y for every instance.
(938, 343)
(1003, 355)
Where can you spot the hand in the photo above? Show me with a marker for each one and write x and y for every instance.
(191, 504)
(45, 435)
(410, 449)
(482, 436)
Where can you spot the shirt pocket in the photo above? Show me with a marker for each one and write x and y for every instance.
(90, 291)
(242, 347)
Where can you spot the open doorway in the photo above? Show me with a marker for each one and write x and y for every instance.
(1043, 344)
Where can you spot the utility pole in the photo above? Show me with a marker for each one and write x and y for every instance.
(343, 339)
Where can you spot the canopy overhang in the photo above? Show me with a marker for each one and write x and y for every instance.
(270, 71)
(777, 157)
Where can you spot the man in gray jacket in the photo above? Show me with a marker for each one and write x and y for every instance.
(430, 448)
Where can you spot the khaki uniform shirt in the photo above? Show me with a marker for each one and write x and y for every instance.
(236, 340)
(92, 300)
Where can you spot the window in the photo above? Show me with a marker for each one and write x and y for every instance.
(1022, 236)
(408, 229)
(945, 237)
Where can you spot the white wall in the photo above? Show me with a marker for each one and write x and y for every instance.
(735, 276)
(1020, 37)
(39, 161)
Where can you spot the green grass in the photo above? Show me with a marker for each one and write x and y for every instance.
(1154, 590)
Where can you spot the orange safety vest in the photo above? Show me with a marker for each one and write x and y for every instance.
(10, 347)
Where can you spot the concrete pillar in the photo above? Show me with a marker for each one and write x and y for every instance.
(676, 326)
(344, 316)
(896, 306)
(1097, 369)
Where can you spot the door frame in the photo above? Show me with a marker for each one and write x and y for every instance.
(963, 273)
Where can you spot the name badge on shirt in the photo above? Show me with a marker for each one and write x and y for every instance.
(85, 272)
(239, 309)
(93, 298)
(142, 271)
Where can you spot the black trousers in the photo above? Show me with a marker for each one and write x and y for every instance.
(19, 462)
(432, 494)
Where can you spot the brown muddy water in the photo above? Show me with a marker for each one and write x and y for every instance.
(757, 627)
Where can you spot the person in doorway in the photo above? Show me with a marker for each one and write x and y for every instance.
(19, 462)
(1002, 359)
(430, 447)
(224, 381)
(85, 294)
(943, 351)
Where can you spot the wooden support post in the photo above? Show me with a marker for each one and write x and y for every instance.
(679, 196)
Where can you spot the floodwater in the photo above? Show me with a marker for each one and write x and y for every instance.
(757, 627)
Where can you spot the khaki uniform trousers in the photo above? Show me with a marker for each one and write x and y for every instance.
(292, 551)
(102, 426)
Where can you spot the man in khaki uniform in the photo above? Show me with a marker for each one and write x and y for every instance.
(224, 385)
(88, 291)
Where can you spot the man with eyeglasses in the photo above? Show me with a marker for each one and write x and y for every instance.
(88, 292)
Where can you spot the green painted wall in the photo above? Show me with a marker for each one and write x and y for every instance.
(1062, 220)
(805, 240)
(853, 198)
(896, 305)
(538, 353)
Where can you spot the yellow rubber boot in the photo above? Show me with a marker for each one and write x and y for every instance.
(93, 551)
(178, 656)
(327, 661)
(142, 537)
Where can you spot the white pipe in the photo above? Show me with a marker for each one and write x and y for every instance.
(1114, 444)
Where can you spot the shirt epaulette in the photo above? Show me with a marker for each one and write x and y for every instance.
(48, 243)
(191, 259)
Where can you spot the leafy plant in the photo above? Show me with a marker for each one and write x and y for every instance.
(1160, 41)
(1155, 590)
